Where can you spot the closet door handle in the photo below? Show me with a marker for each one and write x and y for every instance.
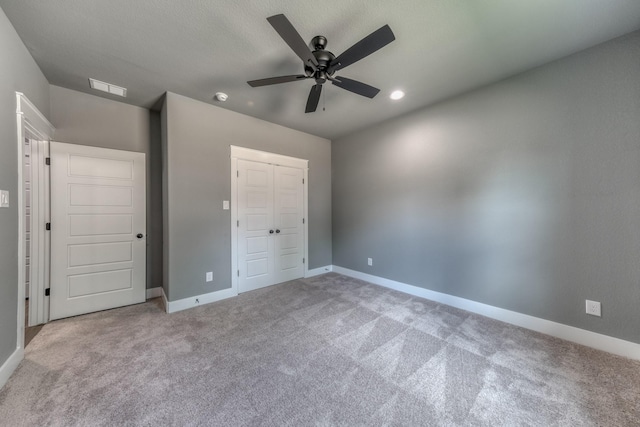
(277, 231)
(270, 231)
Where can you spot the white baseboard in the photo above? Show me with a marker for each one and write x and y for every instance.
(186, 303)
(10, 365)
(183, 304)
(318, 271)
(559, 330)
(154, 292)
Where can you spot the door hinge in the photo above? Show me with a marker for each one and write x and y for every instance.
(238, 223)
(303, 220)
(303, 180)
(238, 273)
(47, 226)
(303, 260)
(47, 161)
(238, 174)
(47, 292)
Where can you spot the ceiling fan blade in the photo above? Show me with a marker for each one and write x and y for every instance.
(355, 86)
(289, 34)
(365, 47)
(314, 98)
(276, 80)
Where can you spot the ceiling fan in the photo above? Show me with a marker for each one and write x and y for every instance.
(321, 64)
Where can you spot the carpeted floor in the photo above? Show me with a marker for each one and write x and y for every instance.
(329, 350)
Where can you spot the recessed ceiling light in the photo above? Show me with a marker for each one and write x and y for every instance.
(396, 94)
(108, 87)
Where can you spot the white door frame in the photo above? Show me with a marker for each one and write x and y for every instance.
(29, 121)
(242, 153)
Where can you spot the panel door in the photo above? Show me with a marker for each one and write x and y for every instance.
(98, 223)
(289, 209)
(255, 222)
(37, 215)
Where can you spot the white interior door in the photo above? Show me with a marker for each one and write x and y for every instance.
(36, 200)
(270, 224)
(288, 208)
(97, 229)
(255, 225)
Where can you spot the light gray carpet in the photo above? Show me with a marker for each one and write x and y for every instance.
(323, 351)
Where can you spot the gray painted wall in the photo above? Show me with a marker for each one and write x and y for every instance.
(85, 119)
(154, 203)
(198, 238)
(18, 72)
(523, 195)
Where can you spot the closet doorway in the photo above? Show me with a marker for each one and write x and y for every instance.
(269, 218)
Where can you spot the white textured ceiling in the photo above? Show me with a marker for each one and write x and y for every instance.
(199, 47)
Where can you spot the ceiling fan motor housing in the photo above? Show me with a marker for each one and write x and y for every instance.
(323, 57)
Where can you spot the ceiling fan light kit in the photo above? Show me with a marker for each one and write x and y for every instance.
(321, 65)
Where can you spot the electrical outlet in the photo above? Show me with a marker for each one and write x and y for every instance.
(593, 308)
(209, 276)
(369, 261)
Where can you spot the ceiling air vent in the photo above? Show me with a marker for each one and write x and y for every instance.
(108, 87)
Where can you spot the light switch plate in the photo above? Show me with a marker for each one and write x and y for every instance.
(225, 205)
(209, 276)
(4, 199)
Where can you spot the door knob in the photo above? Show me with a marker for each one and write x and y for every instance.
(270, 231)
(277, 231)
(140, 236)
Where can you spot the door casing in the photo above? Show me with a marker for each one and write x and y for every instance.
(30, 122)
(242, 153)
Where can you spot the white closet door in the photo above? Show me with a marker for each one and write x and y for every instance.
(255, 225)
(289, 208)
(270, 206)
(98, 248)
